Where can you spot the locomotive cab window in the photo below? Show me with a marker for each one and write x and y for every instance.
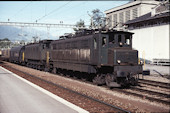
(44, 46)
(103, 41)
(111, 39)
(95, 43)
(119, 38)
(127, 39)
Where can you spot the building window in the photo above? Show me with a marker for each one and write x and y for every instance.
(114, 19)
(121, 18)
(127, 15)
(110, 21)
(135, 13)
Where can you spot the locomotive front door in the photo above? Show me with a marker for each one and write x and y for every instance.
(104, 49)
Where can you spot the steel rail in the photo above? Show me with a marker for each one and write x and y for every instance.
(151, 92)
(154, 83)
(143, 96)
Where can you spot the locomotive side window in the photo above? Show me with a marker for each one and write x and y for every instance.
(103, 41)
(111, 39)
(127, 39)
(95, 43)
(43, 46)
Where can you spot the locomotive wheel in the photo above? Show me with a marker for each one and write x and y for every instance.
(133, 81)
(46, 69)
(110, 81)
(54, 70)
(99, 79)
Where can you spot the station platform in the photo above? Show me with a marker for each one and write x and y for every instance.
(157, 69)
(18, 95)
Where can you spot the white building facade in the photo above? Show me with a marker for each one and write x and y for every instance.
(151, 35)
(119, 15)
(149, 21)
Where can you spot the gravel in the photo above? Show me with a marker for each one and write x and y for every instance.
(118, 99)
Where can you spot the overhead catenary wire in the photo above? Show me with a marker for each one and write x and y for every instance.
(75, 18)
(75, 6)
(20, 10)
(52, 11)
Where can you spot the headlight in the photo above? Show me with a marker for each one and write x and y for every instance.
(141, 62)
(120, 43)
(118, 61)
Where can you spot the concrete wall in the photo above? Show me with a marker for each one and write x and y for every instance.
(152, 42)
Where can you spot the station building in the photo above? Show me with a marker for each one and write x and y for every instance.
(150, 27)
(151, 36)
(119, 15)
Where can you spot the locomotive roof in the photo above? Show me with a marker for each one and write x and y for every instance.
(72, 39)
(115, 31)
(93, 32)
(17, 48)
(42, 41)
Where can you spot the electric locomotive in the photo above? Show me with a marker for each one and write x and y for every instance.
(104, 56)
(37, 55)
(108, 55)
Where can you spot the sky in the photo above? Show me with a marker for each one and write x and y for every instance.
(69, 12)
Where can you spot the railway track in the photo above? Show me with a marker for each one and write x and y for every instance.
(142, 93)
(154, 83)
(139, 92)
(165, 95)
(89, 103)
(143, 96)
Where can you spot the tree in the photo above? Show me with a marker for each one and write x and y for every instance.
(5, 43)
(5, 39)
(97, 19)
(79, 25)
(22, 42)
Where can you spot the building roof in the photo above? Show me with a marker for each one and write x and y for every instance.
(147, 17)
(130, 4)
